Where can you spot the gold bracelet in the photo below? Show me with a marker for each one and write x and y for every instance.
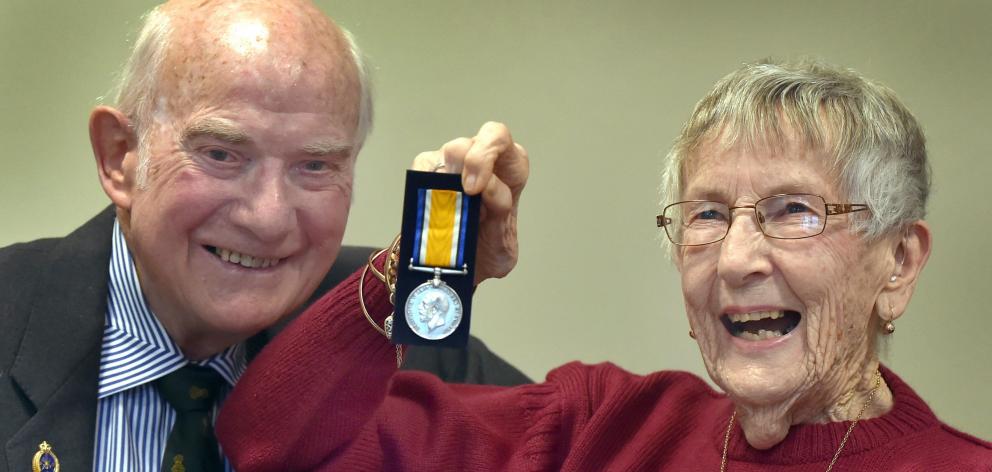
(371, 266)
(361, 302)
(388, 276)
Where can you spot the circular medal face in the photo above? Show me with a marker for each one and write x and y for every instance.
(433, 312)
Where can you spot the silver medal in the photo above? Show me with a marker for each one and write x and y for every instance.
(433, 310)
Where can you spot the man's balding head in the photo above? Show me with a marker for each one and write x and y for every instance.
(188, 48)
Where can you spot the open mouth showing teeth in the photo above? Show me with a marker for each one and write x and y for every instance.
(761, 325)
(244, 260)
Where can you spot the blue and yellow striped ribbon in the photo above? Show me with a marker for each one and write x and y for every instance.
(442, 216)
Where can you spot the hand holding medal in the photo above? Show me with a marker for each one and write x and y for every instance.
(450, 241)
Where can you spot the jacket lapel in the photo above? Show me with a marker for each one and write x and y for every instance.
(57, 364)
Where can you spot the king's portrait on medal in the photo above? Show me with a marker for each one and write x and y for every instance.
(433, 311)
(794, 203)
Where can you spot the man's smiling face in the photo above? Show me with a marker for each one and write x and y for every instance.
(247, 186)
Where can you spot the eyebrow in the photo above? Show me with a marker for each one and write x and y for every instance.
(718, 195)
(793, 187)
(229, 132)
(705, 192)
(214, 127)
(327, 148)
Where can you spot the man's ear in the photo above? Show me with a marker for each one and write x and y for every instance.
(115, 147)
(909, 255)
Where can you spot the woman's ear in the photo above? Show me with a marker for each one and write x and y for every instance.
(909, 255)
(115, 150)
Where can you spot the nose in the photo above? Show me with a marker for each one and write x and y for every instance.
(266, 210)
(744, 254)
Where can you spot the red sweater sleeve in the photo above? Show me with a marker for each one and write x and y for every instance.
(326, 395)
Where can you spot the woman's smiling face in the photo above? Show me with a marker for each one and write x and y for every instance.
(811, 298)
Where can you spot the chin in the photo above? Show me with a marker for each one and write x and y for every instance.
(758, 391)
(763, 372)
(242, 322)
(755, 383)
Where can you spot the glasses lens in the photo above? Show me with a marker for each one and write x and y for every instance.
(792, 216)
(697, 222)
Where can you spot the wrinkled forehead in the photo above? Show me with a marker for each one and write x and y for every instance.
(272, 52)
(783, 141)
(782, 162)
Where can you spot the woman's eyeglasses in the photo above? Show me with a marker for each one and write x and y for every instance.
(784, 216)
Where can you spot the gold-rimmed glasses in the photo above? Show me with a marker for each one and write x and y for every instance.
(782, 216)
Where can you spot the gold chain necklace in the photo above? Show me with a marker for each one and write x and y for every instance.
(843, 442)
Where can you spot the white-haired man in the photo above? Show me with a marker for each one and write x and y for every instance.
(229, 159)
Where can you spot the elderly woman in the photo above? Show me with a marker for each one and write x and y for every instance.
(796, 195)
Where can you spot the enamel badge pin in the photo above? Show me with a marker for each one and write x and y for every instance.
(45, 459)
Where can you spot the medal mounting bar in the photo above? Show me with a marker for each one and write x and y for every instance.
(439, 237)
(437, 271)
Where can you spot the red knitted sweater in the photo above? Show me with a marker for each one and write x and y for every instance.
(326, 395)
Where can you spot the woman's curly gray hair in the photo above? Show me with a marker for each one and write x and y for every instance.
(877, 146)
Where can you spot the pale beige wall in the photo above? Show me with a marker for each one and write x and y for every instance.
(596, 91)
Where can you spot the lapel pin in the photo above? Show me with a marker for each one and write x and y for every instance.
(45, 459)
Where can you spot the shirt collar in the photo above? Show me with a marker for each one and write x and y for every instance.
(136, 348)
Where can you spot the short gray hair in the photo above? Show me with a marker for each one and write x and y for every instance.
(138, 82)
(878, 148)
(365, 109)
(137, 86)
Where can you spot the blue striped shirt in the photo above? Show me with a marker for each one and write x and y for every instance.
(133, 422)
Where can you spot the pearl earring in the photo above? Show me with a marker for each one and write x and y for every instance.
(890, 328)
(893, 278)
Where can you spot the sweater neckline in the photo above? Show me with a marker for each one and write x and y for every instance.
(811, 443)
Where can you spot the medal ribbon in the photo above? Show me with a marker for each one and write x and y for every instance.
(442, 216)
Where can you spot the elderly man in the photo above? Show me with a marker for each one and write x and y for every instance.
(229, 160)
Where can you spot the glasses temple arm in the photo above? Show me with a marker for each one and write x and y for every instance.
(841, 208)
